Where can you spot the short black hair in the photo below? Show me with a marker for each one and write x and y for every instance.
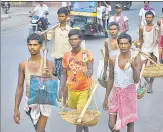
(149, 13)
(115, 24)
(75, 32)
(124, 36)
(146, 1)
(62, 10)
(36, 36)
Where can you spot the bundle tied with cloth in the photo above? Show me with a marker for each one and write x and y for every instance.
(44, 88)
(82, 117)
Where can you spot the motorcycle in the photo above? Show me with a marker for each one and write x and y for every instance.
(125, 4)
(5, 6)
(38, 24)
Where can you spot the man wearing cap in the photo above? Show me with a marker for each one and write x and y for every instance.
(120, 18)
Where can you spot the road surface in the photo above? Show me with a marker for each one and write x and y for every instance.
(14, 49)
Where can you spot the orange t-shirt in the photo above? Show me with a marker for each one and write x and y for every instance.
(75, 66)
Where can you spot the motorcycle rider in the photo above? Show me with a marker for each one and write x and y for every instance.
(5, 6)
(3, 3)
(41, 10)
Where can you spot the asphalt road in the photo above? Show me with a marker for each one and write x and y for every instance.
(14, 50)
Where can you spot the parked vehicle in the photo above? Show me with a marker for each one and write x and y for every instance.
(125, 4)
(83, 15)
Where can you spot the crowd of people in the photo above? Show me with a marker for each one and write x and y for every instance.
(74, 72)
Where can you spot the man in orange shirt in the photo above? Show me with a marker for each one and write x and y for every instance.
(77, 68)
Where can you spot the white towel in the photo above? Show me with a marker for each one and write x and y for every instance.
(37, 110)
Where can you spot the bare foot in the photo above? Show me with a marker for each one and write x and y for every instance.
(150, 90)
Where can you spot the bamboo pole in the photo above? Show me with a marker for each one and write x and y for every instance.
(147, 56)
(87, 104)
(102, 52)
(141, 73)
(128, 63)
(49, 29)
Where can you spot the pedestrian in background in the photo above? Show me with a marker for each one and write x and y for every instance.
(120, 19)
(142, 21)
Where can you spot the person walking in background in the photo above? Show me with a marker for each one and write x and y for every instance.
(61, 44)
(120, 19)
(160, 24)
(142, 21)
(148, 38)
(111, 46)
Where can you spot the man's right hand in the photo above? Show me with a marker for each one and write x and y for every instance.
(139, 25)
(104, 76)
(60, 95)
(105, 104)
(17, 116)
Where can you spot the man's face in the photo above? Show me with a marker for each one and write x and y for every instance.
(113, 30)
(41, 3)
(74, 41)
(34, 47)
(149, 19)
(62, 18)
(146, 4)
(124, 45)
(118, 10)
(99, 3)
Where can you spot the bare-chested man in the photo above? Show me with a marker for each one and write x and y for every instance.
(122, 106)
(111, 45)
(32, 66)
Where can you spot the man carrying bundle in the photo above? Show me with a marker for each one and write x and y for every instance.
(148, 38)
(122, 107)
(38, 113)
(61, 44)
(77, 69)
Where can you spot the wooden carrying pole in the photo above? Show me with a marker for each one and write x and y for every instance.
(44, 32)
(102, 52)
(128, 63)
(141, 73)
(45, 52)
(134, 56)
(87, 104)
(147, 56)
(137, 51)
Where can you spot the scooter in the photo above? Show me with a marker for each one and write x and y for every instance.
(38, 24)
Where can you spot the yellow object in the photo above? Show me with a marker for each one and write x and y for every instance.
(90, 118)
(73, 13)
(82, 116)
(78, 99)
(153, 71)
(76, 28)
